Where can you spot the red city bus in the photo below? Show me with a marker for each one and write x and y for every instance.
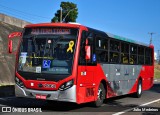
(74, 63)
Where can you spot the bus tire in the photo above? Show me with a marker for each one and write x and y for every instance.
(100, 96)
(139, 89)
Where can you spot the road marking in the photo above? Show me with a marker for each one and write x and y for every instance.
(127, 110)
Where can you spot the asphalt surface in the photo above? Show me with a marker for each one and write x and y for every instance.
(148, 104)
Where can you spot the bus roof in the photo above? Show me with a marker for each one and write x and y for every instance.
(74, 25)
(126, 39)
(77, 25)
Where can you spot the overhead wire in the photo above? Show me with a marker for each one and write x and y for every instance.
(20, 14)
(34, 15)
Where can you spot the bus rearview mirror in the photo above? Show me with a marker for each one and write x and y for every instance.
(10, 46)
(14, 34)
(10, 42)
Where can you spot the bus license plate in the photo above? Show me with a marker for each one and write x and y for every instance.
(40, 96)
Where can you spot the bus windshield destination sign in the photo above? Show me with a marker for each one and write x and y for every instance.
(50, 31)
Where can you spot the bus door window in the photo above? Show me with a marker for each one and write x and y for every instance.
(85, 68)
(82, 49)
(90, 39)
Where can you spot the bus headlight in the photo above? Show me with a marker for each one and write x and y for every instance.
(19, 82)
(66, 85)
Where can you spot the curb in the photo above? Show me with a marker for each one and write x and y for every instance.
(156, 80)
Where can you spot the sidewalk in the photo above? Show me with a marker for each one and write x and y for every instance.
(156, 80)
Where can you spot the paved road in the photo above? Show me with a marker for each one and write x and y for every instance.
(123, 104)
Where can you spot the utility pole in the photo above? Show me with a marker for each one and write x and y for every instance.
(61, 15)
(151, 33)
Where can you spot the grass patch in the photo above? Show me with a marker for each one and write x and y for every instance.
(157, 71)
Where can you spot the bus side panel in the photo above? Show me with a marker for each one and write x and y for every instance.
(146, 73)
(87, 83)
(101, 75)
(122, 78)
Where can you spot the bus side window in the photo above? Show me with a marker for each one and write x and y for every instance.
(101, 43)
(114, 51)
(102, 56)
(124, 53)
(124, 58)
(90, 37)
(114, 57)
(102, 49)
(114, 45)
(141, 55)
(133, 59)
(133, 54)
(148, 56)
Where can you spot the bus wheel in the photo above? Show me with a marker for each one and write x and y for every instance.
(100, 96)
(139, 89)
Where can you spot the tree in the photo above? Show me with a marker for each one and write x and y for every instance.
(69, 12)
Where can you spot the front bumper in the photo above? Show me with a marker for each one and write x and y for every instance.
(68, 95)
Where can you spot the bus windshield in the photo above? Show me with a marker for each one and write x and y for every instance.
(47, 50)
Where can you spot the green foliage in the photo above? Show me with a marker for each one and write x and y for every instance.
(69, 12)
(157, 71)
(157, 74)
(55, 19)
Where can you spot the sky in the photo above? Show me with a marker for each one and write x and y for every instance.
(128, 18)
